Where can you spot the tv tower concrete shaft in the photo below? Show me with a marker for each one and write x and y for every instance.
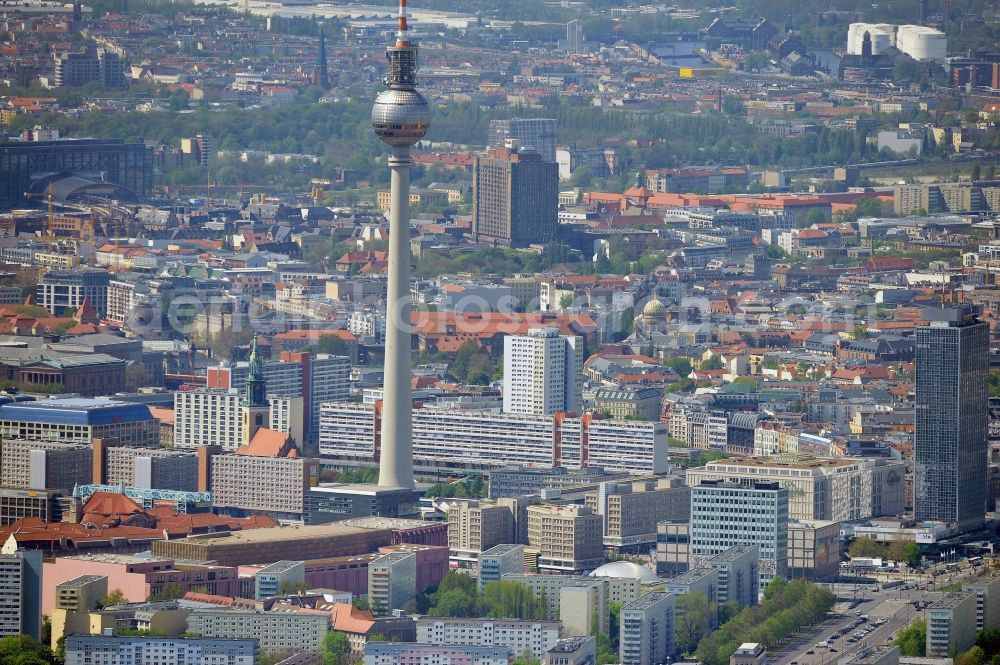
(400, 117)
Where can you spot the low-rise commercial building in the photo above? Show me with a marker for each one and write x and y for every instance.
(749, 653)
(813, 550)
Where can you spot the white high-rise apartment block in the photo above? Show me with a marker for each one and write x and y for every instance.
(542, 372)
(208, 417)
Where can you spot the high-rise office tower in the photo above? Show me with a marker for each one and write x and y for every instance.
(951, 417)
(537, 133)
(515, 197)
(400, 117)
(20, 591)
(542, 372)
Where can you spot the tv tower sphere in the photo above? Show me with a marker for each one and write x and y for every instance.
(400, 115)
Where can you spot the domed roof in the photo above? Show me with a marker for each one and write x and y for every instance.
(626, 569)
(653, 308)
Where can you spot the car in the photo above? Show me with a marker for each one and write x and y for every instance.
(832, 650)
(810, 652)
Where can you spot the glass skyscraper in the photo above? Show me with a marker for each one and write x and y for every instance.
(951, 417)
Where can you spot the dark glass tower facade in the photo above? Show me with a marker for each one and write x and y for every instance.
(952, 417)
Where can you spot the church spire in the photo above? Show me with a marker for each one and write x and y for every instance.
(256, 387)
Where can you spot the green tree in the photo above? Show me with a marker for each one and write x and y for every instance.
(989, 640)
(114, 597)
(510, 600)
(905, 552)
(455, 603)
(974, 656)
(331, 344)
(170, 591)
(715, 362)
(866, 547)
(680, 365)
(336, 648)
(694, 620)
(912, 640)
(566, 301)
(24, 650)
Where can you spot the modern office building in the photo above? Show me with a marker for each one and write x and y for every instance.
(409, 653)
(208, 417)
(329, 503)
(737, 574)
(19, 502)
(542, 372)
(647, 630)
(631, 511)
(537, 133)
(521, 481)
(278, 578)
(515, 197)
(950, 436)
(128, 165)
(62, 292)
(951, 623)
(20, 591)
(448, 438)
(278, 632)
(392, 582)
(520, 636)
(118, 650)
(833, 490)
(79, 420)
(40, 465)
(724, 515)
(500, 560)
(477, 526)
(81, 593)
(568, 538)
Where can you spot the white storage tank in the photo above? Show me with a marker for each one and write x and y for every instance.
(883, 36)
(922, 43)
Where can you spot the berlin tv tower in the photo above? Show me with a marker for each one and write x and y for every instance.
(401, 118)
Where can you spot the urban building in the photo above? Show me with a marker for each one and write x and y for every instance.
(630, 402)
(568, 538)
(879, 654)
(673, 547)
(520, 636)
(392, 582)
(150, 468)
(582, 601)
(79, 420)
(128, 165)
(987, 590)
(407, 653)
(208, 417)
(521, 481)
(951, 418)
(631, 511)
(95, 65)
(270, 485)
(63, 292)
(737, 574)
(81, 593)
(279, 577)
(118, 650)
(577, 650)
(317, 379)
(20, 591)
(548, 588)
(951, 623)
(500, 560)
(750, 653)
(832, 490)
(477, 526)
(647, 630)
(446, 438)
(278, 632)
(699, 580)
(39, 465)
(515, 197)
(813, 550)
(542, 372)
(18, 503)
(329, 503)
(537, 133)
(38, 370)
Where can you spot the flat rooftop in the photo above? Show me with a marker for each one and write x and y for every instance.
(251, 536)
(647, 601)
(732, 554)
(772, 462)
(501, 549)
(397, 523)
(950, 601)
(78, 582)
(691, 576)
